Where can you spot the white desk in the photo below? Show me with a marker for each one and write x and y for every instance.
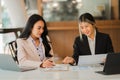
(73, 73)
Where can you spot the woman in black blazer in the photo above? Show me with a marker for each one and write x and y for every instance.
(90, 41)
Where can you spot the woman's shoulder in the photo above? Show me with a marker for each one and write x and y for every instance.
(21, 40)
(78, 37)
(102, 34)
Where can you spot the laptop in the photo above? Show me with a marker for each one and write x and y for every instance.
(88, 60)
(7, 63)
(112, 64)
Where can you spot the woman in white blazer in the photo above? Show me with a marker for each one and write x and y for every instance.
(33, 45)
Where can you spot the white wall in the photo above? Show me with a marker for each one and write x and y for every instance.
(15, 12)
(0, 14)
(1, 43)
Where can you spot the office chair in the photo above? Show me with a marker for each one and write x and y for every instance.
(13, 49)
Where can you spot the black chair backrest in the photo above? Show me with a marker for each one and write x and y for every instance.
(13, 49)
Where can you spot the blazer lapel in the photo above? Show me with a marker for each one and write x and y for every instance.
(86, 44)
(97, 43)
(32, 47)
(43, 49)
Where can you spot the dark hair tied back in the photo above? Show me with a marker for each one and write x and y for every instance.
(87, 17)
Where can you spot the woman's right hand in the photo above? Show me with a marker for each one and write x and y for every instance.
(68, 60)
(47, 64)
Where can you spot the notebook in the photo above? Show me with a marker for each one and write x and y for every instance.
(112, 64)
(7, 63)
(87, 60)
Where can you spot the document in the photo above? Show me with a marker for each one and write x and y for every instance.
(91, 59)
(57, 67)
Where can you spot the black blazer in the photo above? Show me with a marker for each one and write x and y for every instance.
(103, 45)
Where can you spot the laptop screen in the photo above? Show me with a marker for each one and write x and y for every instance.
(112, 64)
(7, 63)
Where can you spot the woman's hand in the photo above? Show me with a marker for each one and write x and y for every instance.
(103, 60)
(47, 63)
(68, 60)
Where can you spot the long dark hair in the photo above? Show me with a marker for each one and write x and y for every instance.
(28, 28)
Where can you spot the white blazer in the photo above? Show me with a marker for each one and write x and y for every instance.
(27, 53)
